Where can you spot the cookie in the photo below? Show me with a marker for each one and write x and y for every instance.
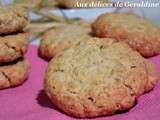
(81, 3)
(61, 38)
(96, 78)
(12, 19)
(13, 47)
(14, 74)
(138, 32)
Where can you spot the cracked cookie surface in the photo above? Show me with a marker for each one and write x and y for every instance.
(13, 74)
(136, 31)
(13, 47)
(96, 78)
(12, 19)
(59, 39)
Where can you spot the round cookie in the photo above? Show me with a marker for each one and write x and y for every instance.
(61, 38)
(13, 47)
(12, 19)
(13, 74)
(138, 32)
(77, 3)
(96, 78)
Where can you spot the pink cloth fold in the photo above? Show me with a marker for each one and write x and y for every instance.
(29, 102)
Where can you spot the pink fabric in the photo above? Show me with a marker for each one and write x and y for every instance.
(28, 102)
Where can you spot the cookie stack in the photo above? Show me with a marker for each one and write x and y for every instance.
(14, 68)
(104, 72)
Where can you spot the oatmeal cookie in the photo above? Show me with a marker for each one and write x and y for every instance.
(13, 47)
(96, 78)
(13, 74)
(138, 32)
(12, 19)
(61, 38)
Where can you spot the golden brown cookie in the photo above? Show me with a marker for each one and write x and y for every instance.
(79, 3)
(138, 32)
(13, 47)
(96, 78)
(13, 74)
(61, 38)
(12, 19)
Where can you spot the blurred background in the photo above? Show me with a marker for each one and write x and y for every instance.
(151, 13)
(46, 14)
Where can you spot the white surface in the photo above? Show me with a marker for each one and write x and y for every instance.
(81, 13)
(85, 13)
